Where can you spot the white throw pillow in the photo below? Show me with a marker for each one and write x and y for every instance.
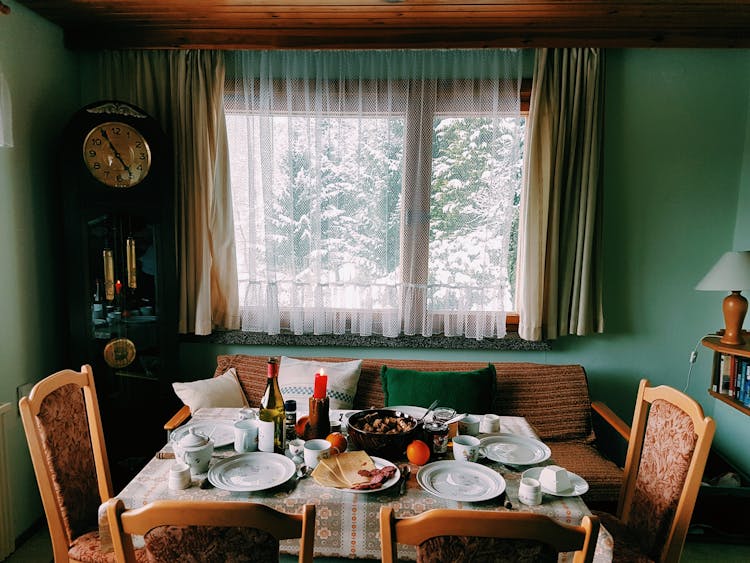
(221, 391)
(297, 379)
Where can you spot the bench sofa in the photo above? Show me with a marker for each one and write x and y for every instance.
(553, 398)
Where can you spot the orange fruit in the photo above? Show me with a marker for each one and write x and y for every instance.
(338, 441)
(299, 426)
(418, 452)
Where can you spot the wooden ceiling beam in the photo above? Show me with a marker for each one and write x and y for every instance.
(238, 24)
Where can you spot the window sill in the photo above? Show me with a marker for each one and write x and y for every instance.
(511, 342)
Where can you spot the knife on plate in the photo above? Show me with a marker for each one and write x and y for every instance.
(404, 479)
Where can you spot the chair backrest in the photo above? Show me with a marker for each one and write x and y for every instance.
(209, 530)
(459, 535)
(64, 431)
(669, 444)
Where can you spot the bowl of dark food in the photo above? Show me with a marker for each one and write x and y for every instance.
(382, 432)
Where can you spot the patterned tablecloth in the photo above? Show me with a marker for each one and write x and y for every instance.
(347, 523)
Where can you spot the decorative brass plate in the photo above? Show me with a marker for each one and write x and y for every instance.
(119, 352)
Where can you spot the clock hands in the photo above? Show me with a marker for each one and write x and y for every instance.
(117, 153)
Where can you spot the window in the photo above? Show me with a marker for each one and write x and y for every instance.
(375, 205)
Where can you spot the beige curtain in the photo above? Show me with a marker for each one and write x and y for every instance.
(184, 90)
(559, 262)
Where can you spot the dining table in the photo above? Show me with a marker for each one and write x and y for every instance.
(347, 523)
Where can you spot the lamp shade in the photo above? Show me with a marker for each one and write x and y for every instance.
(730, 273)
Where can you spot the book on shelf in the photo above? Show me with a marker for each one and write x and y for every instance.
(724, 373)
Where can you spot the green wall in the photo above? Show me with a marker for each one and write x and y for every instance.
(677, 190)
(43, 79)
(676, 132)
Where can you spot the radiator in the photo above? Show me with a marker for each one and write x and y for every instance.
(7, 537)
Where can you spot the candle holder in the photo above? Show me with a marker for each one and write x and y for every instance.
(318, 423)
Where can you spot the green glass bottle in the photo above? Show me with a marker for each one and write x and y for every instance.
(272, 414)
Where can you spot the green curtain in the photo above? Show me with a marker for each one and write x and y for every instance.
(560, 226)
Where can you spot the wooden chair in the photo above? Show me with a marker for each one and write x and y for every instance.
(667, 451)
(64, 432)
(209, 531)
(445, 535)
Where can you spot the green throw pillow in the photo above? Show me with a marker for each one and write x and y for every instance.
(465, 391)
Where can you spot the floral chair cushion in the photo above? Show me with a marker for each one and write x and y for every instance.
(668, 447)
(458, 549)
(210, 544)
(87, 549)
(66, 441)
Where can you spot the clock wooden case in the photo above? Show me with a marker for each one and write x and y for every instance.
(117, 188)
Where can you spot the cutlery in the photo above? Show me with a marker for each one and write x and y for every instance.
(301, 473)
(432, 406)
(405, 471)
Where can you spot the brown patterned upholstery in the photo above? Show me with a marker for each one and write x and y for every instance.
(603, 476)
(66, 441)
(210, 544)
(553, 398)
(667, 450)
(87, 549)
(669, 444)
(457, 549)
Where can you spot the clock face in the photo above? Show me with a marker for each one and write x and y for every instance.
(116, 154)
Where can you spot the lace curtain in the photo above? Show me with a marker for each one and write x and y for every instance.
(375, 192)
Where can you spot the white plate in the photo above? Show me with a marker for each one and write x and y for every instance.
(379, 464)
(459, 480)
(514, 450)
(579, 484)
(254, 471)
(416, 412)
(222, 433)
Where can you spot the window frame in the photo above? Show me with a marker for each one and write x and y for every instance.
(418, 115)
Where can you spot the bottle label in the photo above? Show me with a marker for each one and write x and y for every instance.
(265, 435)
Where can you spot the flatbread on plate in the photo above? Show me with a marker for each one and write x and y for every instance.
(350, 463)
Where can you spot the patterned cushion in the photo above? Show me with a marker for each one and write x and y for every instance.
(210, 544)
(602, 475)
(668, 447)
(66, 441)
(87, 549)
(479, 550)
(297, 378)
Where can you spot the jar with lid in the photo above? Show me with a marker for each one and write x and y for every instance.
(436, 437)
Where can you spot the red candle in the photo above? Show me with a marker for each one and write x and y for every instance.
(321, 382)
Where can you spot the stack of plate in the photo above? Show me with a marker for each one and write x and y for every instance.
(457, 480)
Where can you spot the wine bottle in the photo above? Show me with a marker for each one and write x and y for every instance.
(271, 415)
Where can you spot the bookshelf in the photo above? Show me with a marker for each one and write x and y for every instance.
(731, 363)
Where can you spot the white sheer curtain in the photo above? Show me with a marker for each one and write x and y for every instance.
(375, 192)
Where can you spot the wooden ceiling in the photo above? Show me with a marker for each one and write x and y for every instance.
(238, 24)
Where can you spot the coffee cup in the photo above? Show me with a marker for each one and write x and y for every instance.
(297, 449)
(469, 424)
(490, 424)
(179, 476)
(315, 450)
(466, 448)
(246, 435)
(530, 491)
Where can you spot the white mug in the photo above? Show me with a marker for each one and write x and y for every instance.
(490, 424)
(466, 448)
(469, 424)
(315, 450)
(530, 491)
(179, 476)
(245, 435)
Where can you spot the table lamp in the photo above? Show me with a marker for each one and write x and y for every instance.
(730, 273)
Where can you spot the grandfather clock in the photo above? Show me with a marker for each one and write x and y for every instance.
(122, 291)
